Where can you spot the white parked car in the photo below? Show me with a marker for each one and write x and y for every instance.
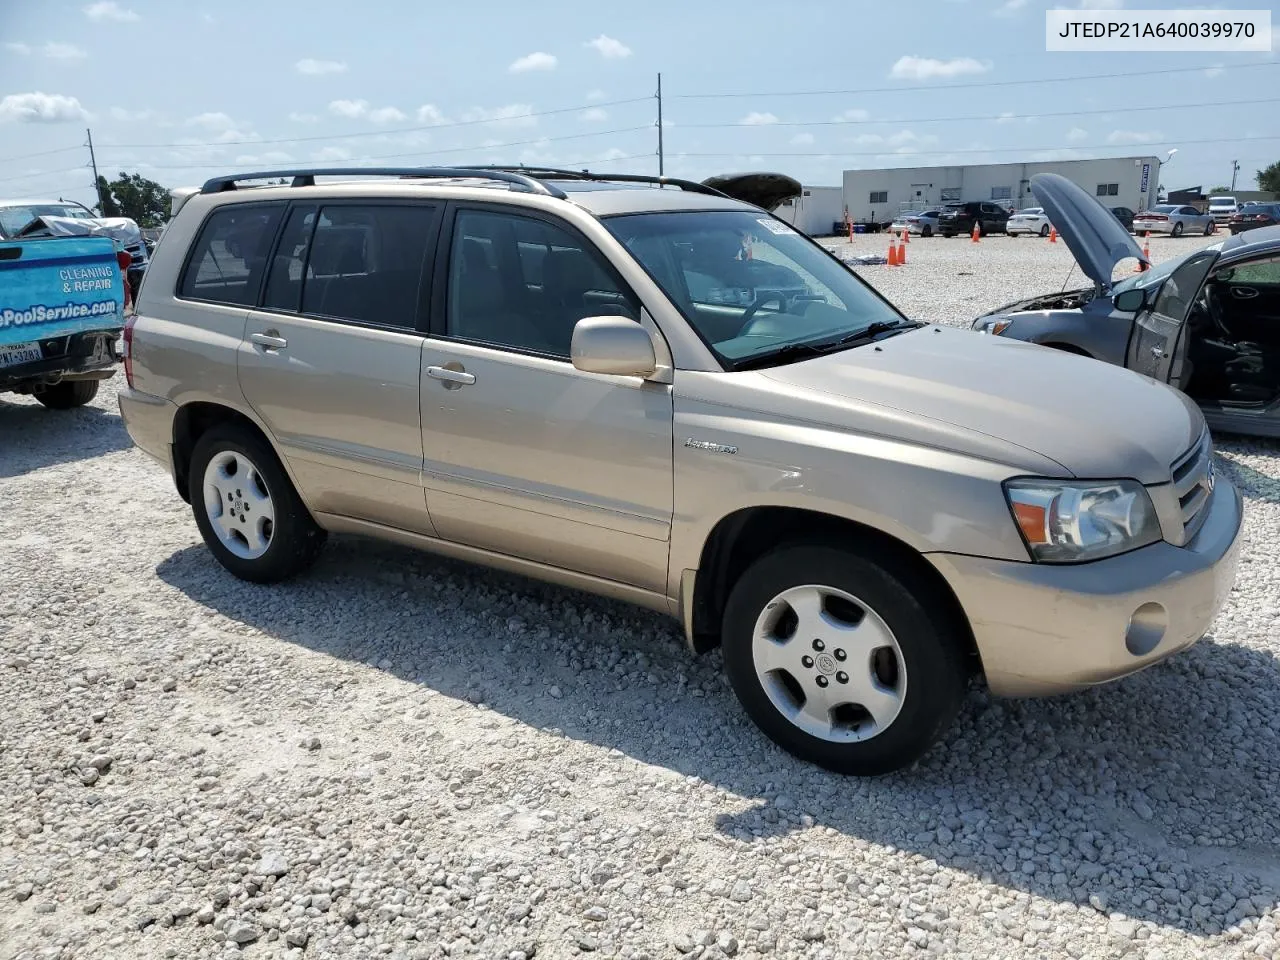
(1222, 208)
(1031, 220)
(923, 224)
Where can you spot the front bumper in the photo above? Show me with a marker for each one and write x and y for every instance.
(149, 420)
(1045, 629)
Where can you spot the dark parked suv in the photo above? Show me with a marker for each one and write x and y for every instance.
(991, 217)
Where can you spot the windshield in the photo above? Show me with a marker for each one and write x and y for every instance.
(749, 284)
(1156, 275)
(14, 218)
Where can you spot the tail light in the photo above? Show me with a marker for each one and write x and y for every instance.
(124, 258)
(127, 338)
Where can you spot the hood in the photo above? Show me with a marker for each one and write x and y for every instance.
(117, 228)
(1091, 232)
(1055, 404)
(765, 190)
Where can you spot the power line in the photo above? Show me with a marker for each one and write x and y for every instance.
(386, 132)
(837, 154)
(424, 153)
(42, 153)
(998, 116)
(934, 88)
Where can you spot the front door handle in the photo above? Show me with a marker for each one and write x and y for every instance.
(269, 341)
(459, 377)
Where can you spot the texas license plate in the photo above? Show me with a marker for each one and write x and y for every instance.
(16, 353)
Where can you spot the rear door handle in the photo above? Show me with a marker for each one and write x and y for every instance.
(268, 341)
(450, 376)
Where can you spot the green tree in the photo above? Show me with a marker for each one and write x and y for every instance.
(1219, 189)
(1269, 179)
(139, 199)
(107, 205)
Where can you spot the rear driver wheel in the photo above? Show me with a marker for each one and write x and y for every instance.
(248, 512)
(839, 661)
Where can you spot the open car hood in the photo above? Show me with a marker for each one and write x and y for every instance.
(1091, 232)
(765, 190)
(117, 228)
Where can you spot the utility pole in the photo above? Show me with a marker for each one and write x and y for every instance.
(1235, 168)
(93, 162)
(660, 157)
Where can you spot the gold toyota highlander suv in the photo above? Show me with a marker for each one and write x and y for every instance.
(648, 389)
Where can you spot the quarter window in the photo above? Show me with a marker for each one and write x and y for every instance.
(524, 283)
(230, 255)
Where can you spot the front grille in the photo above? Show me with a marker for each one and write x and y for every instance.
(1193, 483)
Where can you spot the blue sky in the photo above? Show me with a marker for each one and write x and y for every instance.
(183, 90)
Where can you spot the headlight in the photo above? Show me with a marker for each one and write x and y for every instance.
(1068, 522)
(992, 325)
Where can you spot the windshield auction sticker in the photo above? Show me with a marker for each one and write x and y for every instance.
(1158, 31)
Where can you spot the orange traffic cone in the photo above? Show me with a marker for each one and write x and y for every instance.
(893, 253)
(977, 233)
(1139, 267)
(906, 236)
(1053, 234)
(902, 250)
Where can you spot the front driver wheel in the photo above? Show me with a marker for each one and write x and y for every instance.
(839, 661)
(249, 514)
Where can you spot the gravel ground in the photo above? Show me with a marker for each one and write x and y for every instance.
(400, 756)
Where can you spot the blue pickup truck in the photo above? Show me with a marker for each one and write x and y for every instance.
(62, 309)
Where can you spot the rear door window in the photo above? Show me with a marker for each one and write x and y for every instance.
(229, 258)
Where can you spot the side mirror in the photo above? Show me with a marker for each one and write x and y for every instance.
(614, 345)
(1130, 301)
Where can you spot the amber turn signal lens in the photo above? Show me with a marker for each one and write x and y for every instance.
(1032, 521)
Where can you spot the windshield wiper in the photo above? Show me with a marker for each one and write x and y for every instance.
(792, 351)
(874, 330)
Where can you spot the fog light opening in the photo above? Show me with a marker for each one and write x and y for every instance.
(1146, 629)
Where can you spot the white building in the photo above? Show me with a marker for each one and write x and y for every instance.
(874, 196)
(815, 211)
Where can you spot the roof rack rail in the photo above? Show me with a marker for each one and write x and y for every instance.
(553, 173)
(307, 177)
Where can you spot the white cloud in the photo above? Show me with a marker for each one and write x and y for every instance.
(109, 10)
(430, 113)
(319, 68)
(802, 140)
(594, 115)
(1101, 4)
(512, 115)
(926, 68)
(21, 49)
(387, 115)
(208, 18)
(62, 51)
(595, 96)
(854, 115)
(1009, 8)
(757, 119)
(211, 121)
(609, 48)
(41, 108)
(233, 135)
(1076, 134)
(1216, 70)
(533, 61)
(351, 109)
(271, 156)
(331, 153)
(131, 116)
(1134, 136)
(303, 117)
(903, 140)
(1006, 117)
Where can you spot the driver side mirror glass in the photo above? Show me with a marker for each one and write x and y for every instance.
(613, 345)
(1130, 301)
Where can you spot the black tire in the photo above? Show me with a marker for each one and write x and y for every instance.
(1177, 229)
(67, 395)
(932, 650)
(295, 538)
(1208, 229)
(1044, 229)
(926, 231)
